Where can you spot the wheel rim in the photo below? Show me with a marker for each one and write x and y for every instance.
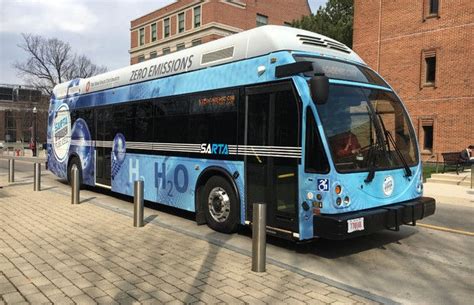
(219, 204)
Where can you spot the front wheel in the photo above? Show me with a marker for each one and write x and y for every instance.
(220, 203)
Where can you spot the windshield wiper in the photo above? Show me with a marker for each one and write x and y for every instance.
(390, 139)
(374, 149)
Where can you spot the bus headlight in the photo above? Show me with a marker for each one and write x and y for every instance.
(419, 186)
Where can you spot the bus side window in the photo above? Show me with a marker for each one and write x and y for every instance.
(171, 120)
(315, 158)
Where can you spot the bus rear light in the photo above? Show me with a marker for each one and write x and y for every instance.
(347, 200)
(338, 189)
(316, 211)
(338, 201)
(319, 196)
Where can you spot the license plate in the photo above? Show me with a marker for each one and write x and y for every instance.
(356, 224)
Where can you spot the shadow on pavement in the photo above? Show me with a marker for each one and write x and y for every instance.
(330, 249)
(150, 219)
(49, 188)
(87, 199)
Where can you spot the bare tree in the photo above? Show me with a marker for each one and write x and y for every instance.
(51, 61)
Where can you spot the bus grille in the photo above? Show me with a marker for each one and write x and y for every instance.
(324, 43)
(217, 55)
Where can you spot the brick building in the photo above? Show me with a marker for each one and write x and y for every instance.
(424, 49)
(186, 23)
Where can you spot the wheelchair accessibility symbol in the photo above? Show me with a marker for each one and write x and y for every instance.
(323, 185)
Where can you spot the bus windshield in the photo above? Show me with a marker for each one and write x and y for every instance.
(367, 129)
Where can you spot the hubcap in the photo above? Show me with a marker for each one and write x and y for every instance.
(219, 204)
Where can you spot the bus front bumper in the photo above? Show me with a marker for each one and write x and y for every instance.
(391, 217)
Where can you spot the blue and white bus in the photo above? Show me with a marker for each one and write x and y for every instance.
(274, 114)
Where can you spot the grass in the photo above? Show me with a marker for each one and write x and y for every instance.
(428, 170)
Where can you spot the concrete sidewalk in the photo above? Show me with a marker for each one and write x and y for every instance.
(449, 194)
(53, 252)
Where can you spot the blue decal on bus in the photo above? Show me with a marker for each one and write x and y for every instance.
(179, 182)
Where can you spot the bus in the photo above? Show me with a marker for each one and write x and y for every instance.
(277, 115)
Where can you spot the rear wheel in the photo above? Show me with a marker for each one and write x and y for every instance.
(77, 163)
(220, 203)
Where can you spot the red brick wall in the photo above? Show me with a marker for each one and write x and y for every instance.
(134, 60)
(404, 33)
(147, 34)
(159, 28)
(134, 39)
(159, 12)
(277, 11)
(188, 21)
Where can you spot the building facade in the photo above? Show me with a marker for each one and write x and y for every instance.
(187, 23)
(17, 117)
(424, 49)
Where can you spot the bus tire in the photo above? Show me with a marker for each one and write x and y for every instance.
(220, 204)
(77, 162)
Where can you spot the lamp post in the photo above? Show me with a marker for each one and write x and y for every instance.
(34, 132)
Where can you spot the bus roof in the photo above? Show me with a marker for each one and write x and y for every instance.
(252, 43)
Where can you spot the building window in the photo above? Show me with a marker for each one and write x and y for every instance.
(197, 16)
(180, 46)
(262, 20)
(141, 58)
(10, 127)
(152, 54)
(142, 36)
(429, 68)
(153, 32)
(167, 27)
(166, 51)
(434, 7)
(428, 138)
(180, 22)
(196, 42)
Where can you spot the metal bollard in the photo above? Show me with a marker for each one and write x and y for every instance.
(75, 196)
(259, 234)
(11, 170)
(37, 177)
(472, 174)
(138, 203)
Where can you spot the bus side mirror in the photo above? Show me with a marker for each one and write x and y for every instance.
(319, 86)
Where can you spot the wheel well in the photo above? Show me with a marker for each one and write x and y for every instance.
(72, 157)
(204, 177)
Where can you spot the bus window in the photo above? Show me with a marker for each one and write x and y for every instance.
(213, 118)
(315, 158)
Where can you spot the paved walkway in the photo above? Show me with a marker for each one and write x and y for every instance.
(53, 252)
(450, 194)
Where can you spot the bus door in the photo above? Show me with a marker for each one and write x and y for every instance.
(272, 153)
(103, 146)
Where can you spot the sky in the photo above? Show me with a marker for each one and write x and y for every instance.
(99, 29)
